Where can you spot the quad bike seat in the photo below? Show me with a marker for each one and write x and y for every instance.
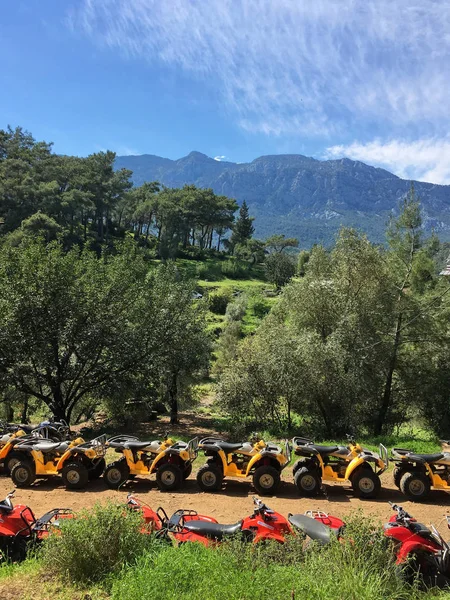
(429, 458)
(225, 446)
(137, 445)
(216, 531)
(59, 447)
(312, 528)
(316, 449)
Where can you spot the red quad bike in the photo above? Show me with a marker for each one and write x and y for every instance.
(420, 550)
(262, 525)
(19, 528)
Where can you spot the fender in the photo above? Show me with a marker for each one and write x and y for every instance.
(260, 536)
(354, 464)
(62, 460)
(157, 461)
(252, 462)
(408, 548)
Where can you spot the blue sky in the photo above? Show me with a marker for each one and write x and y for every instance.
(233, 78)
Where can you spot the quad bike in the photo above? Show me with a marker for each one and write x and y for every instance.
(77, 461)
(263, 461)
(350, 464)
(262, 525)
(13, 434)
(419, 550)
(170, 460)
(415, 474)
(19, 528)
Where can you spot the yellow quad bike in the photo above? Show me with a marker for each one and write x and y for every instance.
(77, 462)
(416, 474)
(8, 441)
(170, 460)
(350, 464)
(262, 461)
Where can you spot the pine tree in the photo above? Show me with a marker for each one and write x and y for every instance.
(243, 228)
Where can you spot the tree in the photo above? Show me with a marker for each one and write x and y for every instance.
(74, 326)
(279, 242)
(243, 228)
(279, 268)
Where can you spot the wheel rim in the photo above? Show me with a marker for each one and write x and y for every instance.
(21, 474)
(366, 485)
(114, 476)
(73, 477)
(266, 481)
(209, 478)
(308, 482)
(417, 487)
(167, 477)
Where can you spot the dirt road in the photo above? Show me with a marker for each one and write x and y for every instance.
(233, 502)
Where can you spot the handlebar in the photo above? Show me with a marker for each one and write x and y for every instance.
(402, 514)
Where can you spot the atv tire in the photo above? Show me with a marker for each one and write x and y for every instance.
(266, 480)
(416, 486)
(398, 474)
(75, 476)
(365, 483)
(210, 478)
(308, 481)
(97, 471)
(169, 477)
(116, 474)
(297, 465)
(12, 459)
(23, 474)
(187, 471)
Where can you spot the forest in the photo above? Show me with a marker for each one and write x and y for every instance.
(114, 296)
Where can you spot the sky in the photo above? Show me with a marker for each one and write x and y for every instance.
(234, 79)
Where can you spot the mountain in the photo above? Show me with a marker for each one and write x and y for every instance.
(301, 196)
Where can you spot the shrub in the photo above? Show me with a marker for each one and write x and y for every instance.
(235, 269)
(209, 270)
(218, 301)
(280, 268)
(95, 544)
(259, 306)
(236, 310)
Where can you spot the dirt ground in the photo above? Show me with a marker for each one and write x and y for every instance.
(233, 502)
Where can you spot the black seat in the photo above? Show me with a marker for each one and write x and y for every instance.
(315, 449)
(420, 529)
(226, 447)
(44, 447)
(136, 445)
(312, 528)
(429, 458)
(213, 530)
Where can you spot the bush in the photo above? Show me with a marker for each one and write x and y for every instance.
(236, 310)
(218, 301)
(235, 269)
(95, 544)
(280, 268)
(259, 306)
(209, 270)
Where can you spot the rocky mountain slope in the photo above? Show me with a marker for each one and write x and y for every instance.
(301, 196)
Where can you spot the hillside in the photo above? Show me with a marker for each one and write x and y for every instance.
(298, 195)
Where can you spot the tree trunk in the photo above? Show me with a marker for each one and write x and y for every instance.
(173, 396)
(386, 402)
(24, 415)
(218, 242)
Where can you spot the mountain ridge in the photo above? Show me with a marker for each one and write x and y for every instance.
(300, 195)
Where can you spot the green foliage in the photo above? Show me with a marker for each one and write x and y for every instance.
(235, 269)
(96, 544)
(236, 310)
(302, 262)
(280, 268)
(218, 301)
(243, 228)
(279, 242)
(361, 570)
(74, 325)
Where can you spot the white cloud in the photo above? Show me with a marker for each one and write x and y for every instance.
(219, 158)
(424, 159)
(310, 67)
(127, 151)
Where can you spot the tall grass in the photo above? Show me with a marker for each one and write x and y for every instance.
(360, 569)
